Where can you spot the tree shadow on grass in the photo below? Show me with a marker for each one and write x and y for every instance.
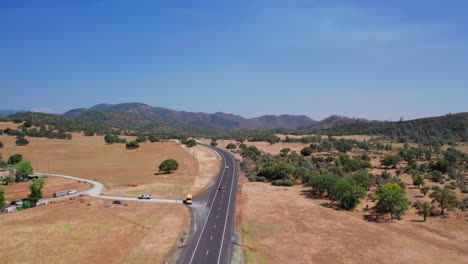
(162, 173)
(372, 217)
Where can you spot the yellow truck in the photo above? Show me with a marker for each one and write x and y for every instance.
(188, 200)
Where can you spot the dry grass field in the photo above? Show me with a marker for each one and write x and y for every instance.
(282, 226)
(51, 185)
(356, 137)
(92, 231)
(207, 166)
(116, 167)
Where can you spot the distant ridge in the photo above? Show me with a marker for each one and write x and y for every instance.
(139, 117)
(217, 121)
(10, 112)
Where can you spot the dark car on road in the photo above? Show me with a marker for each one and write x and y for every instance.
(221, 188)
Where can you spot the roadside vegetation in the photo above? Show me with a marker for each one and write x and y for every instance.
(18, 171)
(348, 172)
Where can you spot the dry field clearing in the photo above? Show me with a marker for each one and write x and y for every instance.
(356, 137)
(51, 185)
(263, 146)
(116, 167)
(92, 231)
(207, 167)
(282, 226)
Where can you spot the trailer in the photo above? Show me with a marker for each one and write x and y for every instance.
(60, 193)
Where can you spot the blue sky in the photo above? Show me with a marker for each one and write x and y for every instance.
(371, 59)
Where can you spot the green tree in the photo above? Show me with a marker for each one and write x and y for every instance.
(363, 179)
(436, 176)
(1, 144)
(446, 198)
(21, 141)
(132, 145)
(347, 193)
(36, 191)
(214, 143)
(425, 190)
(418, 180)
(284, 152)
(343, 145)
(190, 143)
(385, 175)
(89, 133)
(153, 138)
(390, 161)
(392, 200)
(231, 146)
(2, 197)
(110, 139)
(424, 210)
(23, 169)
(141, 138)
(168, 166)
(307, 151)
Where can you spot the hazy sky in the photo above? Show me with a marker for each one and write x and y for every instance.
(372, 59)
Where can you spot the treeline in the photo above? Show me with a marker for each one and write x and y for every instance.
(447, 128)
(34, 132)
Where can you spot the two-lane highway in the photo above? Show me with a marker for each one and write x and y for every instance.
(210, 241)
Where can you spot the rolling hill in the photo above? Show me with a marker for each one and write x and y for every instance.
(217, 121)
(140, 117)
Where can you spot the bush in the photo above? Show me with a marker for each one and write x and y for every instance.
(168, 166)
(231, 146)
(15, 159)
(153, 138)
(21, 141)
(189, 143)
(132, 145)
(26, 205)
(141, 138)
(283, 182)
(464, 190)
(1, 144)
(307, 151)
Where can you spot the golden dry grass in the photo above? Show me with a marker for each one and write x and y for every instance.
(282, 226)
(91, 158)
(51, 185)
(92, 231)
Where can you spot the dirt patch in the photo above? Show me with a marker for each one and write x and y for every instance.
(52, 185)
(91, 231)
(113, 165)
(282, 226)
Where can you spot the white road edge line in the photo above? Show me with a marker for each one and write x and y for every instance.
(229, 204)
(209, 211)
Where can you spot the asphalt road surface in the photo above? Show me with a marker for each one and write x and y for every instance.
(213, 214)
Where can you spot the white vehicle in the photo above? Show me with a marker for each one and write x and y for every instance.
(19, 202)
(144, 196)
(227, 167)
(71, 192)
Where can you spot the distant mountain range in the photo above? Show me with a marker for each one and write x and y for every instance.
(217, 121)
(142, 117)
(10, 112)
